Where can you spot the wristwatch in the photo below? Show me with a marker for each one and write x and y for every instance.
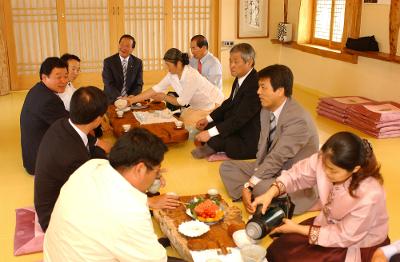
(248, 186)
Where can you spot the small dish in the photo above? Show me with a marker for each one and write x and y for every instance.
(189, 213)
(139, 106)
(193, 228)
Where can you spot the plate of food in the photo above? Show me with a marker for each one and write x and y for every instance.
(139, 106)
(206, 210)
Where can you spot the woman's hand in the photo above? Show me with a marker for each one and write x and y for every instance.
(289, 226)
(265, 199)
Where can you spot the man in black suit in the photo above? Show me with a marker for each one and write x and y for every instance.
(234, 127)
(123, 72)
(41, 108)
(65, 147)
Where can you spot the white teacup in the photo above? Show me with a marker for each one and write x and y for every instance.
(171, 194)
(253, 253)
(126, 127)
(155, 186)
(241, 239)
(121, 103)
(120, 114)
(212, 192)
(178, 124)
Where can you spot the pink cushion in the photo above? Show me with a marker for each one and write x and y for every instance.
(220, 156)
(28, 236)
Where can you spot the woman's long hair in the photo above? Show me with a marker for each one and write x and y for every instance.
(346, 150)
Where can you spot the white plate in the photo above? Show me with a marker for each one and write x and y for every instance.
(193, 228)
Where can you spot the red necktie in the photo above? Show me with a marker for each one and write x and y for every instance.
(199, 66)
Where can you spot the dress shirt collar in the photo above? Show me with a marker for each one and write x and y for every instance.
(241, 79)
(124, 59)
(205, 57)
(278, 111)
(80, 133)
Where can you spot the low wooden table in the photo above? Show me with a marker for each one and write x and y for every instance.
(218, 236)
(166, 131)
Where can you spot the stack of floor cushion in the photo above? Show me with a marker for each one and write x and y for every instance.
(378, 119)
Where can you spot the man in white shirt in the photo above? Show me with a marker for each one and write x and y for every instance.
(74, 68)
(102, 212)
(203, 61)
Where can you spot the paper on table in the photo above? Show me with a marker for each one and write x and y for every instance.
(203, 256)
(158, 116)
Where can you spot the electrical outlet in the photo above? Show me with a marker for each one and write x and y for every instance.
(227, 43)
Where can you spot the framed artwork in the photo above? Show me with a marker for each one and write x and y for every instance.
(252, 19)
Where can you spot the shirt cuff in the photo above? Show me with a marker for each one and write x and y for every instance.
(391, 250)
(209, 119)
(255, 180)
(213, 131)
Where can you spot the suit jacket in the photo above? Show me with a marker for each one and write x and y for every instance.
(61, 152)
(296, 138)
(241, 115)
(113, 78)
(41, 108)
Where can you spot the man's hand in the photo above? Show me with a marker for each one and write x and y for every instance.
(103, 145)
(201, 124)
(379, 256)
(163, 201)
(159, 97)
(246, 199)
(203, 136)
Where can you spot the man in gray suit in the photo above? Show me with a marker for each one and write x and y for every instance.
(288, 134)
(123, 72)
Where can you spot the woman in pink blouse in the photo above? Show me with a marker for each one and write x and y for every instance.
(353, 221)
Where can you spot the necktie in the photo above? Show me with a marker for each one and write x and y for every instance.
(235, 90)
(124, 70)
(272, 129)
(199, 66)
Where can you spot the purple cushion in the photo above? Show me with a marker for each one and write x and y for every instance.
(220, 156)
(28, 236)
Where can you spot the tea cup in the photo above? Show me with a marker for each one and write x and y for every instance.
(253, 253)
(120, 114)
(155, 186)
(241, 239)
(126, 127)
(121, 103)
(212, 192)
(178, 124)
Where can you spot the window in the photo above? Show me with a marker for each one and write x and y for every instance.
(328, 23)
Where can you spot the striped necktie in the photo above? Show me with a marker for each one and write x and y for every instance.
(235, 90)
(272, 129)
(124, 70)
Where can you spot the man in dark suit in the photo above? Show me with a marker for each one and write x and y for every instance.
(234, 127)
(65, 147)
(288, 135)
(41, 108)
(123, 72)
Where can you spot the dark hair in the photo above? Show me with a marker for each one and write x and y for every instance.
(138, 145)
(246, 52)
(346, 150)
(128, 37)
(66, 57)
(174, 55)
(87, 103)
(279, 76)
(201, 41)
(49, 64)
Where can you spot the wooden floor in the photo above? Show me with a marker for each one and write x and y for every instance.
(185, 174)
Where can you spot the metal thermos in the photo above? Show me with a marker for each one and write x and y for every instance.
(261, 225)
